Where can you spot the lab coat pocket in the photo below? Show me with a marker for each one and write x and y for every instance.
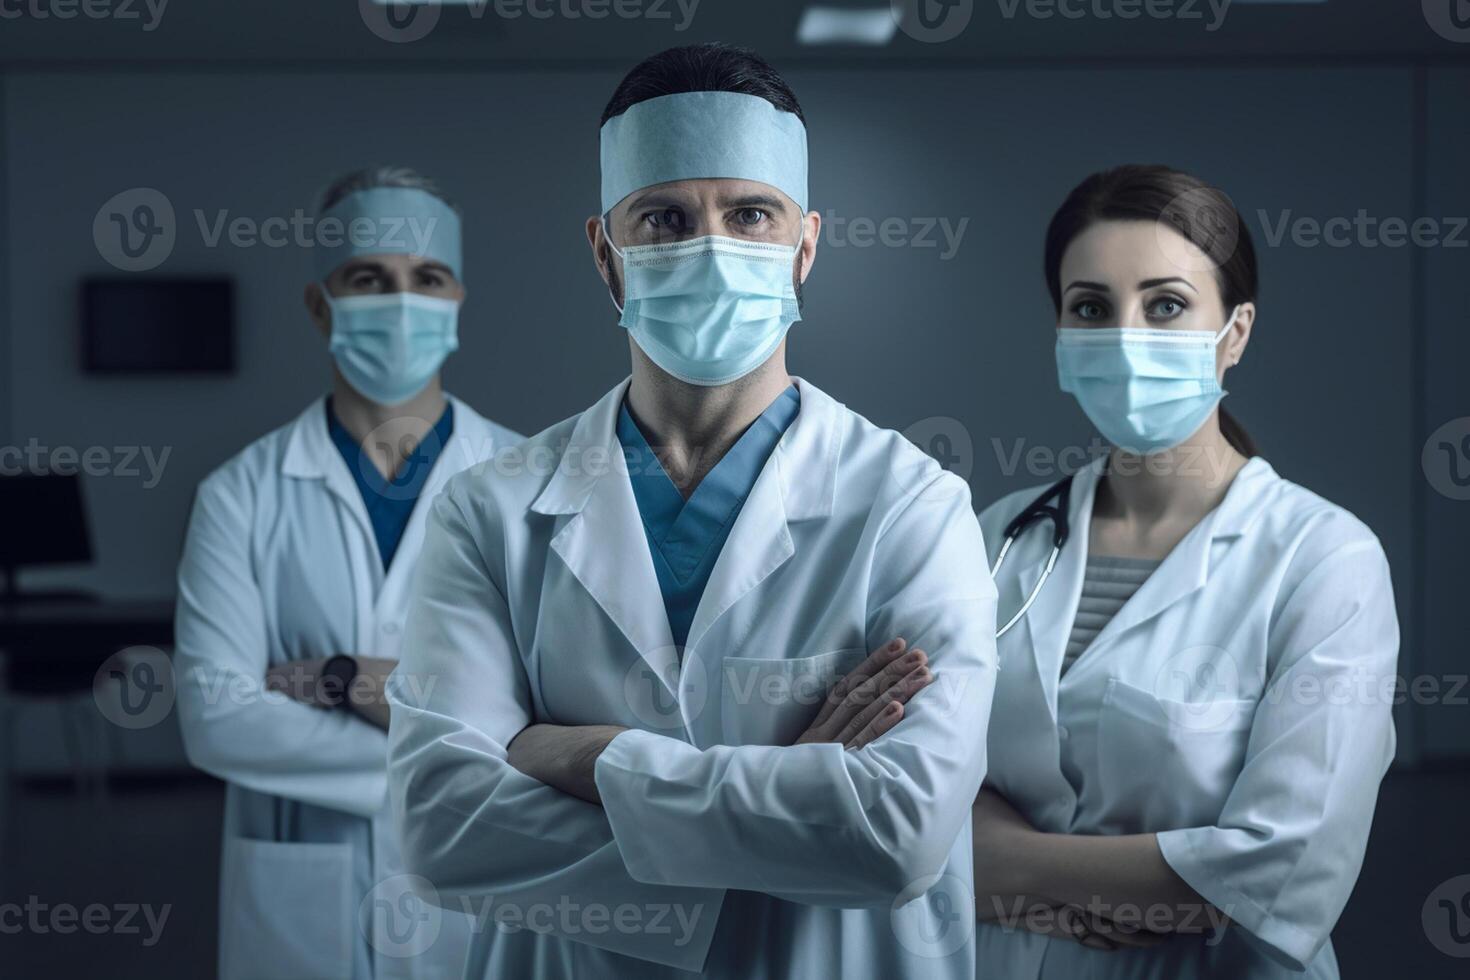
(771, 702)
(286, 911)
(1165, 764)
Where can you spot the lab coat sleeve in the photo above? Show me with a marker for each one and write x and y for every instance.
(232, 727)
(815, 823)
(1287, 848)
(486, 836)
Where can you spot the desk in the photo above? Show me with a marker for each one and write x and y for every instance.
(57, 645)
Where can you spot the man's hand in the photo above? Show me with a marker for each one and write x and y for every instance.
(863, 705)
(870, 700)
(563, 757)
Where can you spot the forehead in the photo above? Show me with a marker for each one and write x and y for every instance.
(1132, 251)
(708, 192)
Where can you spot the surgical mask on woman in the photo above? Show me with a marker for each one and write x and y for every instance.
(389, 346)
(1146, 390)
(710, 310)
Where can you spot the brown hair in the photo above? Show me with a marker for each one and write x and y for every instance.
(1196, 210)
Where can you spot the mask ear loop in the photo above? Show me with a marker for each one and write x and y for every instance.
(1228, 324)
(607, 234)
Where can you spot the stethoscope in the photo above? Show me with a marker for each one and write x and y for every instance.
(1040, 509)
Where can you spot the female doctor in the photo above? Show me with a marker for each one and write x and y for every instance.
(1190, 722)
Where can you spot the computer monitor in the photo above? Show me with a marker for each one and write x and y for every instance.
(42, 522)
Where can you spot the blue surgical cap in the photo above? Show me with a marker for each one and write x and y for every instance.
(387, 221)
(694, 135)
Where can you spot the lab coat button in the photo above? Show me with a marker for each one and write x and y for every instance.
(1062, 732)
(391, 629)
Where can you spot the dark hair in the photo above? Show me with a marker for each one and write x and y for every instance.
(712, 67)
(1201, 213)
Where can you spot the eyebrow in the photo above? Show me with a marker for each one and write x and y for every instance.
(768, 201)
(1152, 283)
(1145, 284)
(655, 198)
(361, 265)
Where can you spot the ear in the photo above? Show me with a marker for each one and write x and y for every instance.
(317, 308)
(601, 254)
(811, 234)
(1233, 344)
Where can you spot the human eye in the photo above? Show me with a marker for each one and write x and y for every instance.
(1167, 308)
(751, 217)
(664, 221)
(362, 280)
(1089, 309)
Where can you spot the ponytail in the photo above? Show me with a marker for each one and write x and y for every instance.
(1236, 435)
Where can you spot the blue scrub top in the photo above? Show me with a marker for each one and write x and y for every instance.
(390, 503)
(685, 536)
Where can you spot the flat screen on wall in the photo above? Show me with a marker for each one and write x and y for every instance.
(158, 325)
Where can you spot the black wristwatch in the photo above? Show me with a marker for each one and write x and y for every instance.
(338, 673)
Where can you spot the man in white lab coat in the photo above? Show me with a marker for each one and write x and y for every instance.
(620, 627)
(292, 595)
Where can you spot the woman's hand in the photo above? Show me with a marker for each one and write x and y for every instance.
(1008, 893)
(1002, 838)
(870, 700)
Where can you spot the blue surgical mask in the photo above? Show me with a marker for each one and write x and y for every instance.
(389, 346)
(710, 310)
(1146, 390)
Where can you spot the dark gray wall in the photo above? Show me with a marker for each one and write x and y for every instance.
(1445, 515)
(899, 332)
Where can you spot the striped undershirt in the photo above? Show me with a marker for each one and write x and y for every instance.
(1107, 584)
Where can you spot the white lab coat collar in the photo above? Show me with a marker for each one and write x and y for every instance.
(605, 547)
(593, 446)
(311, 455)
(1183, 572)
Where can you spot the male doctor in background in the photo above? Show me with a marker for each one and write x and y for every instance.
(624, 641)
(292, 596)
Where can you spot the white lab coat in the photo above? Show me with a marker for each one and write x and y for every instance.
(719, 848)
(281, 564)
(1236, 706)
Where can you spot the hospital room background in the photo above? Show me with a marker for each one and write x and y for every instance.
(937, 158)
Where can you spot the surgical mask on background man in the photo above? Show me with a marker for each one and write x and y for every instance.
(389, 346)
(710, 310)
(1146, 390)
